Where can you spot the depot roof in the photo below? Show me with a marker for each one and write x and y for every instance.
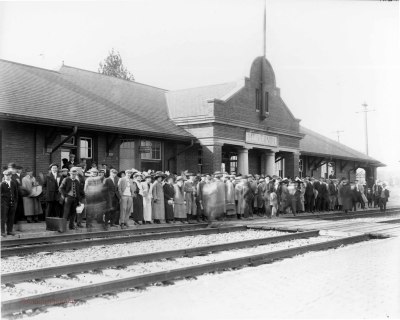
(315, 144)
(88, 99)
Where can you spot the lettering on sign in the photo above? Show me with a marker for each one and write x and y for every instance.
(144, 149)
(261, 138)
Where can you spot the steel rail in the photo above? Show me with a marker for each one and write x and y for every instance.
(42, 273)
(390, 221)
(362, 214)
(98, 234)
(74, 294)
(13, 251)
(340, 214)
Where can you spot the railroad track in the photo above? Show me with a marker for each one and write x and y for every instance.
(349, 215)
(100, 234)
(40, 301)
(88, 242)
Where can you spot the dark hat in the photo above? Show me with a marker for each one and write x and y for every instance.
(102, 170)
(245, 176)
(18, 167)
(52, 165)
(64, 169)
(159, 174)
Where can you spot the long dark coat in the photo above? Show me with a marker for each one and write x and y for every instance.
(347, 196)
(169, 193)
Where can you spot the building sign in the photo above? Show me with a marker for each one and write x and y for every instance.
(145, 149)
(261, 139)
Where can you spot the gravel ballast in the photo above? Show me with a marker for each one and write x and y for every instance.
(63, 282)
(44, 260)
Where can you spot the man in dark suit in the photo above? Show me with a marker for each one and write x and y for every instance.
(309, 196)
(9, 200)
(51, 184)
(71, 190)
(318, 200)
(112, 199)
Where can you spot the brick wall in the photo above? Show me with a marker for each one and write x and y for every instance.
(254, 162)
(18, 144)
(212, 158)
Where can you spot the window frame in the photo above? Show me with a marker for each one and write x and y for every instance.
(89, 148)
(153, 150)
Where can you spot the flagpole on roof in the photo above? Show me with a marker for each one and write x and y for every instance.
(262, 94)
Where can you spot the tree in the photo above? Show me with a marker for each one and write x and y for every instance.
(112, 66)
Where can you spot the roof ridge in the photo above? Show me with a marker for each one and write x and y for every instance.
(29, 66)
(106, 75)
(205, 86)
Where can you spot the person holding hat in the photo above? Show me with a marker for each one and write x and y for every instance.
(157, 193)
(9, 199)
(32, 207)
(179, 200)
(51, 185)
(169, 193)
(71, 189)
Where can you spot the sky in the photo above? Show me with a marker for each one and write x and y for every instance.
(329, 57)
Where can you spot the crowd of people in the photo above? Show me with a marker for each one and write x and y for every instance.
(114, 198)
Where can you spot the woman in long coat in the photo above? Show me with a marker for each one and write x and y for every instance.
(146, 186)
(32, 207)
(346, 195)
(157, 193)
(137, 214)
(169, 193)
(179, 201)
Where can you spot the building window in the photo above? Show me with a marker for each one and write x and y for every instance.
(233, 164)
(152, 150)
(324, 171)
(86, 148)
(200, 160)
(127, 154)
(301, 168)
(258, 100)
(266, 102)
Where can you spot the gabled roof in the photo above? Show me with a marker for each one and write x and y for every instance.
(194, 101)
(88, 99)
(316, 144)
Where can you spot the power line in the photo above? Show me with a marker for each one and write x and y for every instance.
(365, 110)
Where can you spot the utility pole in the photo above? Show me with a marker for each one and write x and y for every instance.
(365, 110)
(338, 132)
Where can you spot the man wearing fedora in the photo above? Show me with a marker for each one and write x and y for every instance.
(71, 190)
(9, 199)
(51, 184)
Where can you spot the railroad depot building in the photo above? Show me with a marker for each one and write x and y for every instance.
(238, 127)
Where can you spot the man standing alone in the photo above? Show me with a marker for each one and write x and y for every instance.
(9, 199)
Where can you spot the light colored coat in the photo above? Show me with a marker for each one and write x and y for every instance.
(179, 202)
(157, 192)
(146, 191)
